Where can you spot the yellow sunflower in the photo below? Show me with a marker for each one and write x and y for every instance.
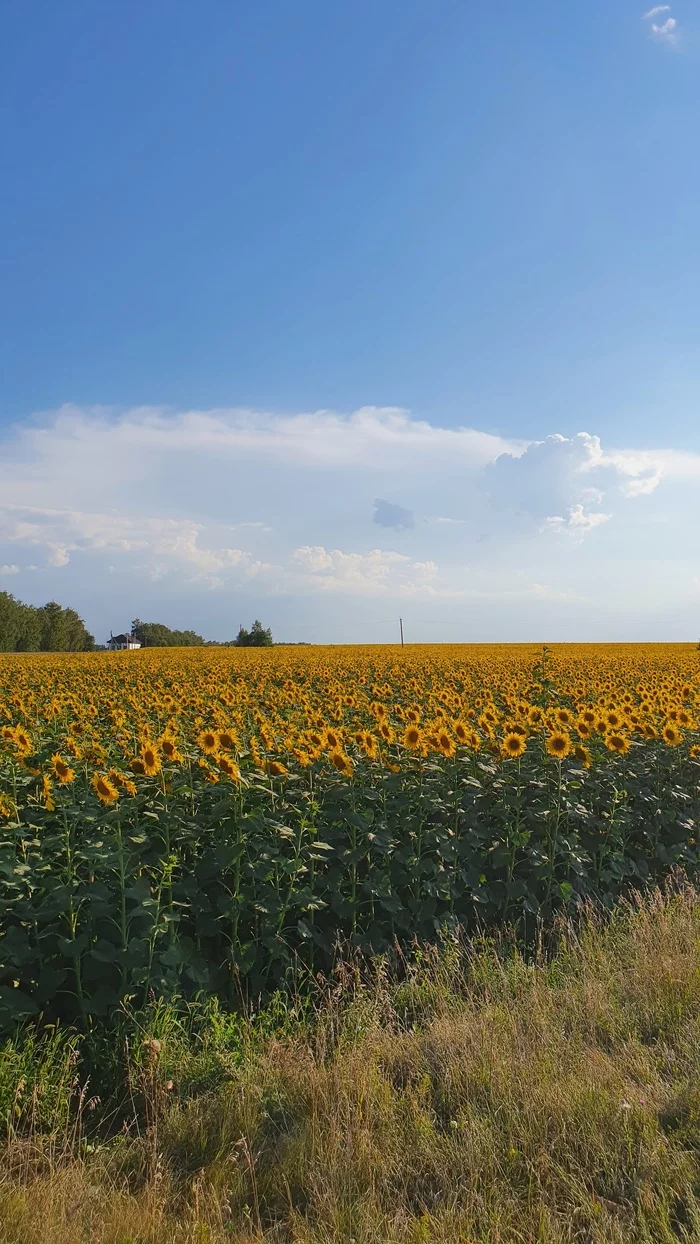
(47, 793)
(412, 738)
(583, 755)
(103, 788)
(229, 740)
(169, 748)
(342, 763)
(62, 772)
(513, 745)
(558, 745)
(208, 742)
(275, 768)
(230, 768)
(151, 759)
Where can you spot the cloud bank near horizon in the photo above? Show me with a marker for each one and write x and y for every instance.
(248, 507)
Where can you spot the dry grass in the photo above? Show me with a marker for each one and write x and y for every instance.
(482, 1098)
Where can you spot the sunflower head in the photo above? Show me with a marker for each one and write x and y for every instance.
(342, 763)
(445, 743)
(513, 745)
(169, 748)
(412, 738)
(228, 740)
(616, 742)
(103, 788)
(230, 768)
(62, 772)
(151, 759)
(558, 745)
(47, 793)
(207, 742)
(583, 755)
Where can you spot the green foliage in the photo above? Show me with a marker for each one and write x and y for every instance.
(227, 889)
(48, 628)
(157, 635)
(257, 637)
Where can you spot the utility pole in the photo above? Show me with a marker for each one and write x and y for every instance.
(401, 629)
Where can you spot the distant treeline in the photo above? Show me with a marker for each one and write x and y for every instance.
(157, 635)
(51, 628)
(41, 628)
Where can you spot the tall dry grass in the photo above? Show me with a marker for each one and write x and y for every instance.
(480, 1097)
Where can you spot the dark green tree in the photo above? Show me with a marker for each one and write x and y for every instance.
(257, 637)
(157, 635)
(10, 614)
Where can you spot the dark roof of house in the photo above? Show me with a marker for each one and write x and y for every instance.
(120, 639)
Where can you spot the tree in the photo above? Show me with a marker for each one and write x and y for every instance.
(10, 612)
(62, 630)
(29, 635)
(49, 628)
(257, 637)
(157, 635)
(54, 628)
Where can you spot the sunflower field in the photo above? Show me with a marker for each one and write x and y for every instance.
(180, 822)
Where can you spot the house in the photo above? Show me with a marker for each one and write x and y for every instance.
(117, 643)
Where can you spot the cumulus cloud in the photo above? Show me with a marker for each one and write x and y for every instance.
(9, 569)
(386, 514)
(61, 532)
(577, 522)
(375, 573)
(268, 505)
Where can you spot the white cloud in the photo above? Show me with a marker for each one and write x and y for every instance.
(577, 523)
(375, 573)
(9, 569)
(62, 532)
(665, 31)
(379, 438)
(57, 554)
(272, 506)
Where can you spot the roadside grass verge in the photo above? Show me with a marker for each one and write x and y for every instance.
(476, 1095)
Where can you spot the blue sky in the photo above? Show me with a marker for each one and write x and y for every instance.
(305, 307)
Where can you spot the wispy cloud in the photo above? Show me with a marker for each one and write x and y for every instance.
(666, 31)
